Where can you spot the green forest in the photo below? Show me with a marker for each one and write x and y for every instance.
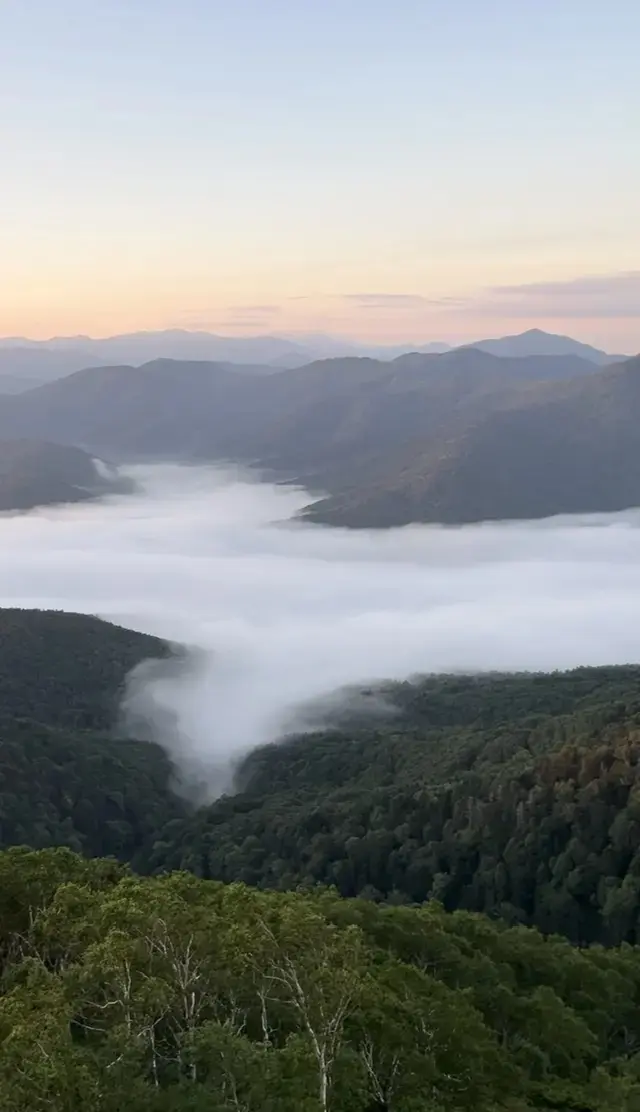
(175, 993)
(433, 908)
(516, 796)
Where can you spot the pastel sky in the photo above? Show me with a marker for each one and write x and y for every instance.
(380, 169)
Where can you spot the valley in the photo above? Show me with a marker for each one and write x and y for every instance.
(514, 796)
(461, 436)
(317, 817)
(484, 808)
(319, 557)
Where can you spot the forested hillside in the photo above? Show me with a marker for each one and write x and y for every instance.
(66, 776)
(517, 796)
(182, 995)
(512, 795)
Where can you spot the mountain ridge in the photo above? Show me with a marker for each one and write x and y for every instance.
(206, 410)
(454, 437)
(537, 342)
(553, 448)
(25, 363)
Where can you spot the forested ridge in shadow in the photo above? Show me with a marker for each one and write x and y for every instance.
(516, 796)
(462, 436)
(67, 777)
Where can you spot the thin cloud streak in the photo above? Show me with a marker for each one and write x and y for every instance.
(600, 309)
(589, 297)
(385, 300)
(608, 297)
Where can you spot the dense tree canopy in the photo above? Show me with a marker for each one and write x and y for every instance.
(177, 994)
(513, 795)
(66, 776)
(237, 976)
(516, 796)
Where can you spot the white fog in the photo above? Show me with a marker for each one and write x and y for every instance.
(285, 612)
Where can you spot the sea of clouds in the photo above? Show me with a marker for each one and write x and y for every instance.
(282, 613)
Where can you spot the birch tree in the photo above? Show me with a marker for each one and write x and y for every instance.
(315, 969)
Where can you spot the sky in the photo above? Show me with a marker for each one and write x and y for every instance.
(387, 171)
(283, 613)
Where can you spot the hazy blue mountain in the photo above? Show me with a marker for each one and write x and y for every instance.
(460, 436)
(141, 347)
(336, 424)
(14, 384)
(28, 363)
(537, 342)
(43, 360)
(550, 448)
(36, 473)
(23, 367)
(335, 347)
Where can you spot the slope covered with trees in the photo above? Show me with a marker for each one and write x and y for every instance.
(182, 995)
(67, 776)
(516, 796)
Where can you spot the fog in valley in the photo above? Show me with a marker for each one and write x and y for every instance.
(280, 613)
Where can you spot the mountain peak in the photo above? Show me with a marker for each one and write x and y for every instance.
(537, 342)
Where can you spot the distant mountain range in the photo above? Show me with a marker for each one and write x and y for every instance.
(461, 436)
(23, 368)
(536, 342)
(27, 363)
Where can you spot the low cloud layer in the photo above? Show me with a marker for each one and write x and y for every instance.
(283, 613)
